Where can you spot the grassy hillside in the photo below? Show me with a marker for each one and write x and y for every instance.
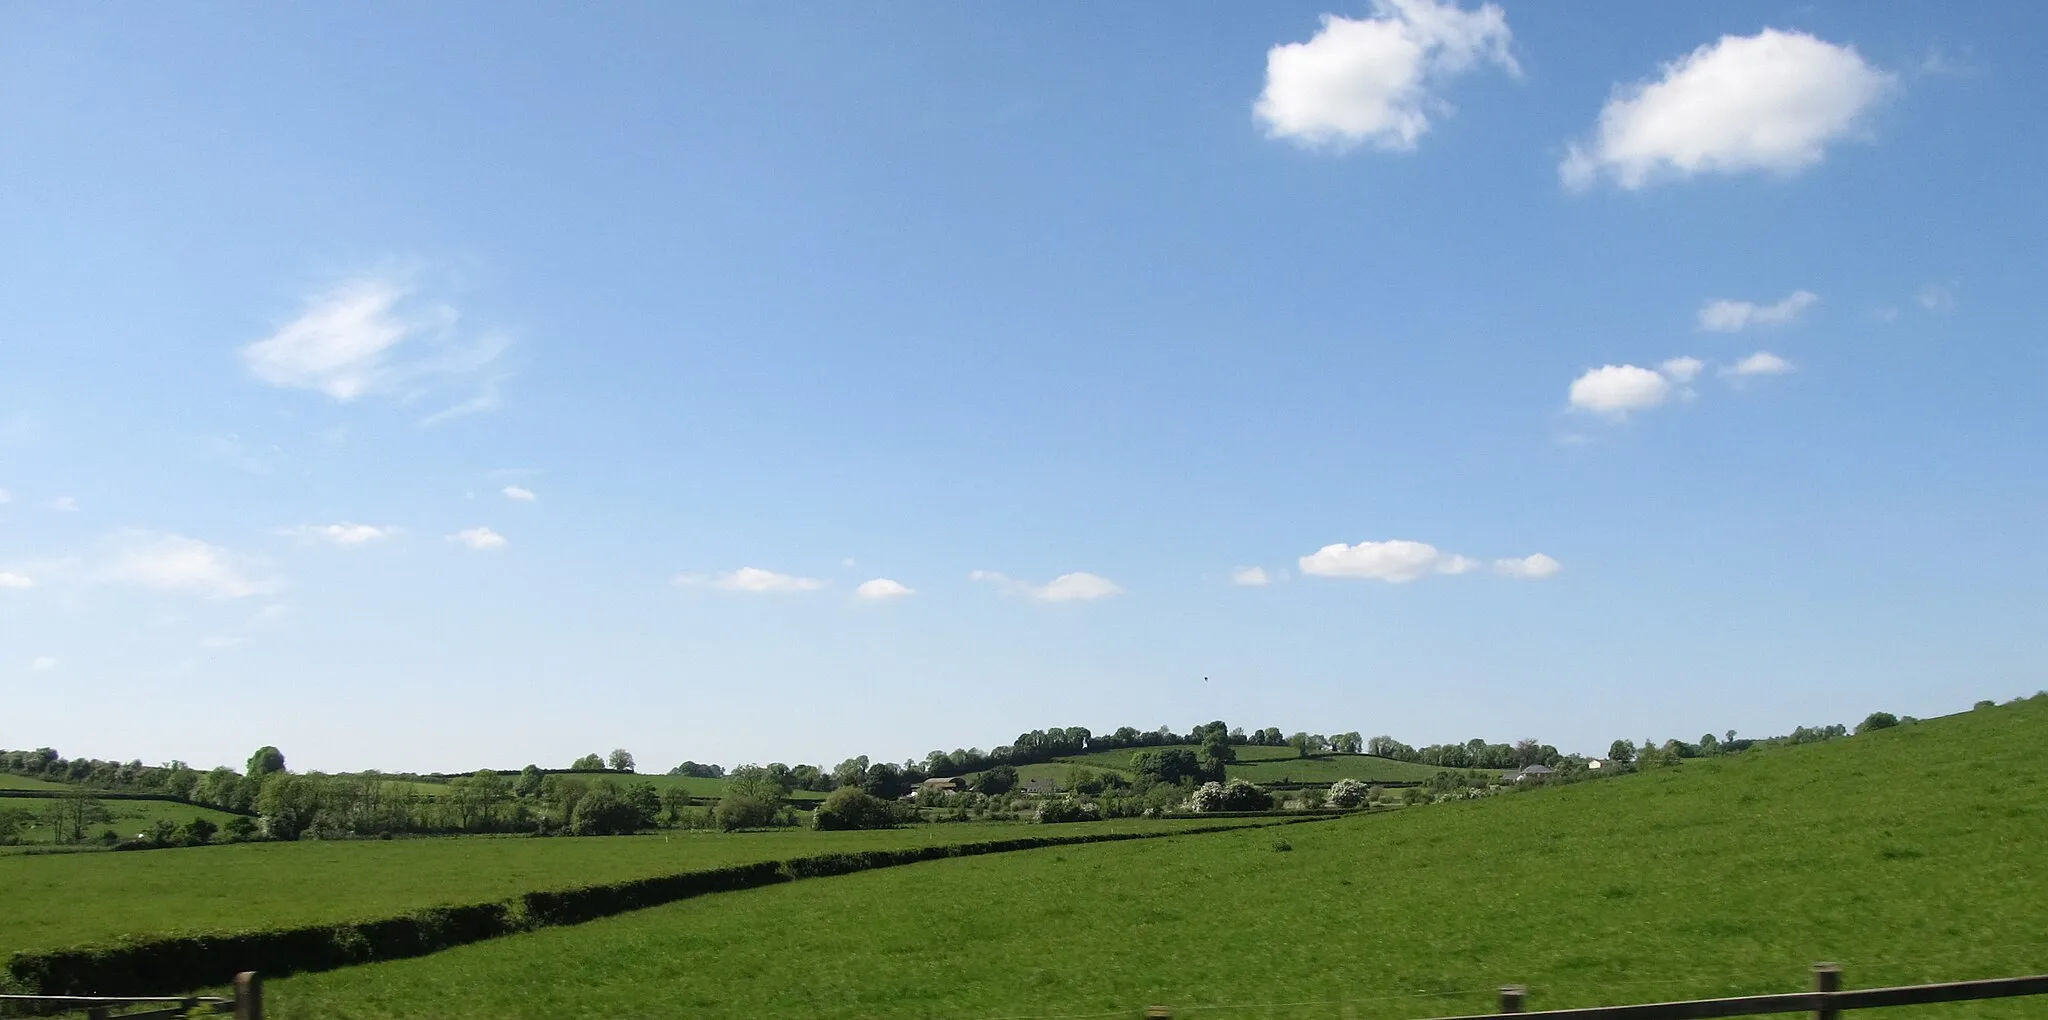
(129, 818)
(69, 899)
(1908, 854)
(14, 782)
(701, 788)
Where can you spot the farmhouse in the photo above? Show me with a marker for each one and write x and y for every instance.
(938, 785)
(1535, 772)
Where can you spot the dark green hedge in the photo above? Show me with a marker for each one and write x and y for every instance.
(168, 964)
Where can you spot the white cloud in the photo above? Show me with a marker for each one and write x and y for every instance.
(1616, 390)
(4, 497)
(1773, 101)
(175, 563)
(64, 504)
(1682, 369)
(1396, 561)
(343, 534)
(1250, 577)
(518, 493)
(1726, 316)
(1533, 567)
(1372, 79)
(1455, 564)
(9, 579)
(479, 538)
(1936, 297)
(370, 335)
(1079, 586)
(43, 663)
(1760, 363)
(881, 589)
(752, 579)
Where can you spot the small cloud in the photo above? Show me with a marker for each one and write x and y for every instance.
(43, 663)
(881, 589)
(478, 538)
(1455, 564)
(176, 563)
(1079, 586)
(1769, 102)
(9, 579)
(1534, 567)
(1760, 363)
(1250, 577)
(1396, 561)
(343, 534)
(1682, 369)
(751, 579)
(4, 497)
(518, 493)
(1726, 316)
(1374, 79)
(1616, 390)
(849, 563)
(64, 504)
(487, 399)
(1936, 297)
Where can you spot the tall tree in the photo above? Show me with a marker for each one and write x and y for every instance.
(265, 761)
(621, 760)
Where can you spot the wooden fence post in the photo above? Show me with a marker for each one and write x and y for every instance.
(1511, 997)
(1158, 1013)
(1827, 977)
(248, 996)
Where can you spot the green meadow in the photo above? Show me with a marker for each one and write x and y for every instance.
(59, 900)
(1909, 854)
(126, 818)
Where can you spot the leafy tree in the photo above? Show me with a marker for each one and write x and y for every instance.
(746, 809)
(13, 821)
(72, 813)
(1301, 743)
(850, 772)
(199, 832)
(851, 808)
(528, 783)
(604, 811)
(588, 763)
(1348, 743)
(241, 828)
(1067, 809)
(1000, 779)
(1986, 703)
(1877, 721)
(675, 803)
(621, 760)
(265, 761)
(646, 800)
(885, 781)
(1235, 795)
(1621, 752)
(1166, 765)
(1388, 747)
(288, 804)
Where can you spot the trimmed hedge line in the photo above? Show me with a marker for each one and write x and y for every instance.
(168, 964)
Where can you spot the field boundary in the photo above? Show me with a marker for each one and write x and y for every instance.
(152, 964)
(87, 793)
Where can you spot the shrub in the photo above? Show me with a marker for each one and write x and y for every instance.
(1067, 809)
(746, 811)
(241, 828)
(851, 808)
(604, 812)
(1346, 793)
(1235, 795)
(1877, 721)
(199, 832)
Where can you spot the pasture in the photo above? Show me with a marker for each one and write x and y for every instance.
(9, 781)
(54, 901)
(126, 818)
(1908, 854)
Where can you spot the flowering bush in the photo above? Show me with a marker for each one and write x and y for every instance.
(1236, 795)
(1346, 793)
(1067, 809)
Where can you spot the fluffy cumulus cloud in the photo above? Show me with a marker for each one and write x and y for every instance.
(9, 579)
(182, 565)
(1250, 577)
(518, 494)
(344, 534)
(1682, 369)
(1760, 363)
(881, 589)
(1773, 101)
(1534, 567)
(479, 538)
(1373, 80)
(1725, 316)
(751, 579)
(1616, 390)
(1079, 586)
(372, 335)
(1398, 561)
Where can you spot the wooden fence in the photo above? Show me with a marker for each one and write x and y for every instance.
(245, 1004)
(1827, 1001)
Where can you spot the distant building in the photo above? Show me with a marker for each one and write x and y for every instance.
(942, 785)
(1041, 785)
(1535, 772)
(1595, 763)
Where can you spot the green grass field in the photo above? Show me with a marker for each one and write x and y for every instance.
(1909, 854)
(14, 782)
(1269, 765)
(700, 788)
(129, 818)
(69, 899)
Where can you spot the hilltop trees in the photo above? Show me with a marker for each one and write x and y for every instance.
(264, 762)
(1877, 721)
(588, 763)
(621, 760)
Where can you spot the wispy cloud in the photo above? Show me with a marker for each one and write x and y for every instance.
(1533, 567)
(1760, 363)
(343, 534)
(751, 579)
(1375, 80)
(9, 579)
(479, 538)
(43, 663)
(1079, 586)
(882, 589)
(183, 565)
(64, 504)
(375, 334)
(1250, 577)
(1399, 561)
(1727, 316)
(518, 493)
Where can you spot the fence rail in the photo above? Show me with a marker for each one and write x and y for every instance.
(246, 1003)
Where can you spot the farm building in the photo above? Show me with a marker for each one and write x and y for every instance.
(1041, 785)
(1535, 772)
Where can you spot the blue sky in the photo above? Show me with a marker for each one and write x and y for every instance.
(475, 384)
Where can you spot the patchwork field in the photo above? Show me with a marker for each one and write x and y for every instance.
(59, 900)
(1908, 854)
